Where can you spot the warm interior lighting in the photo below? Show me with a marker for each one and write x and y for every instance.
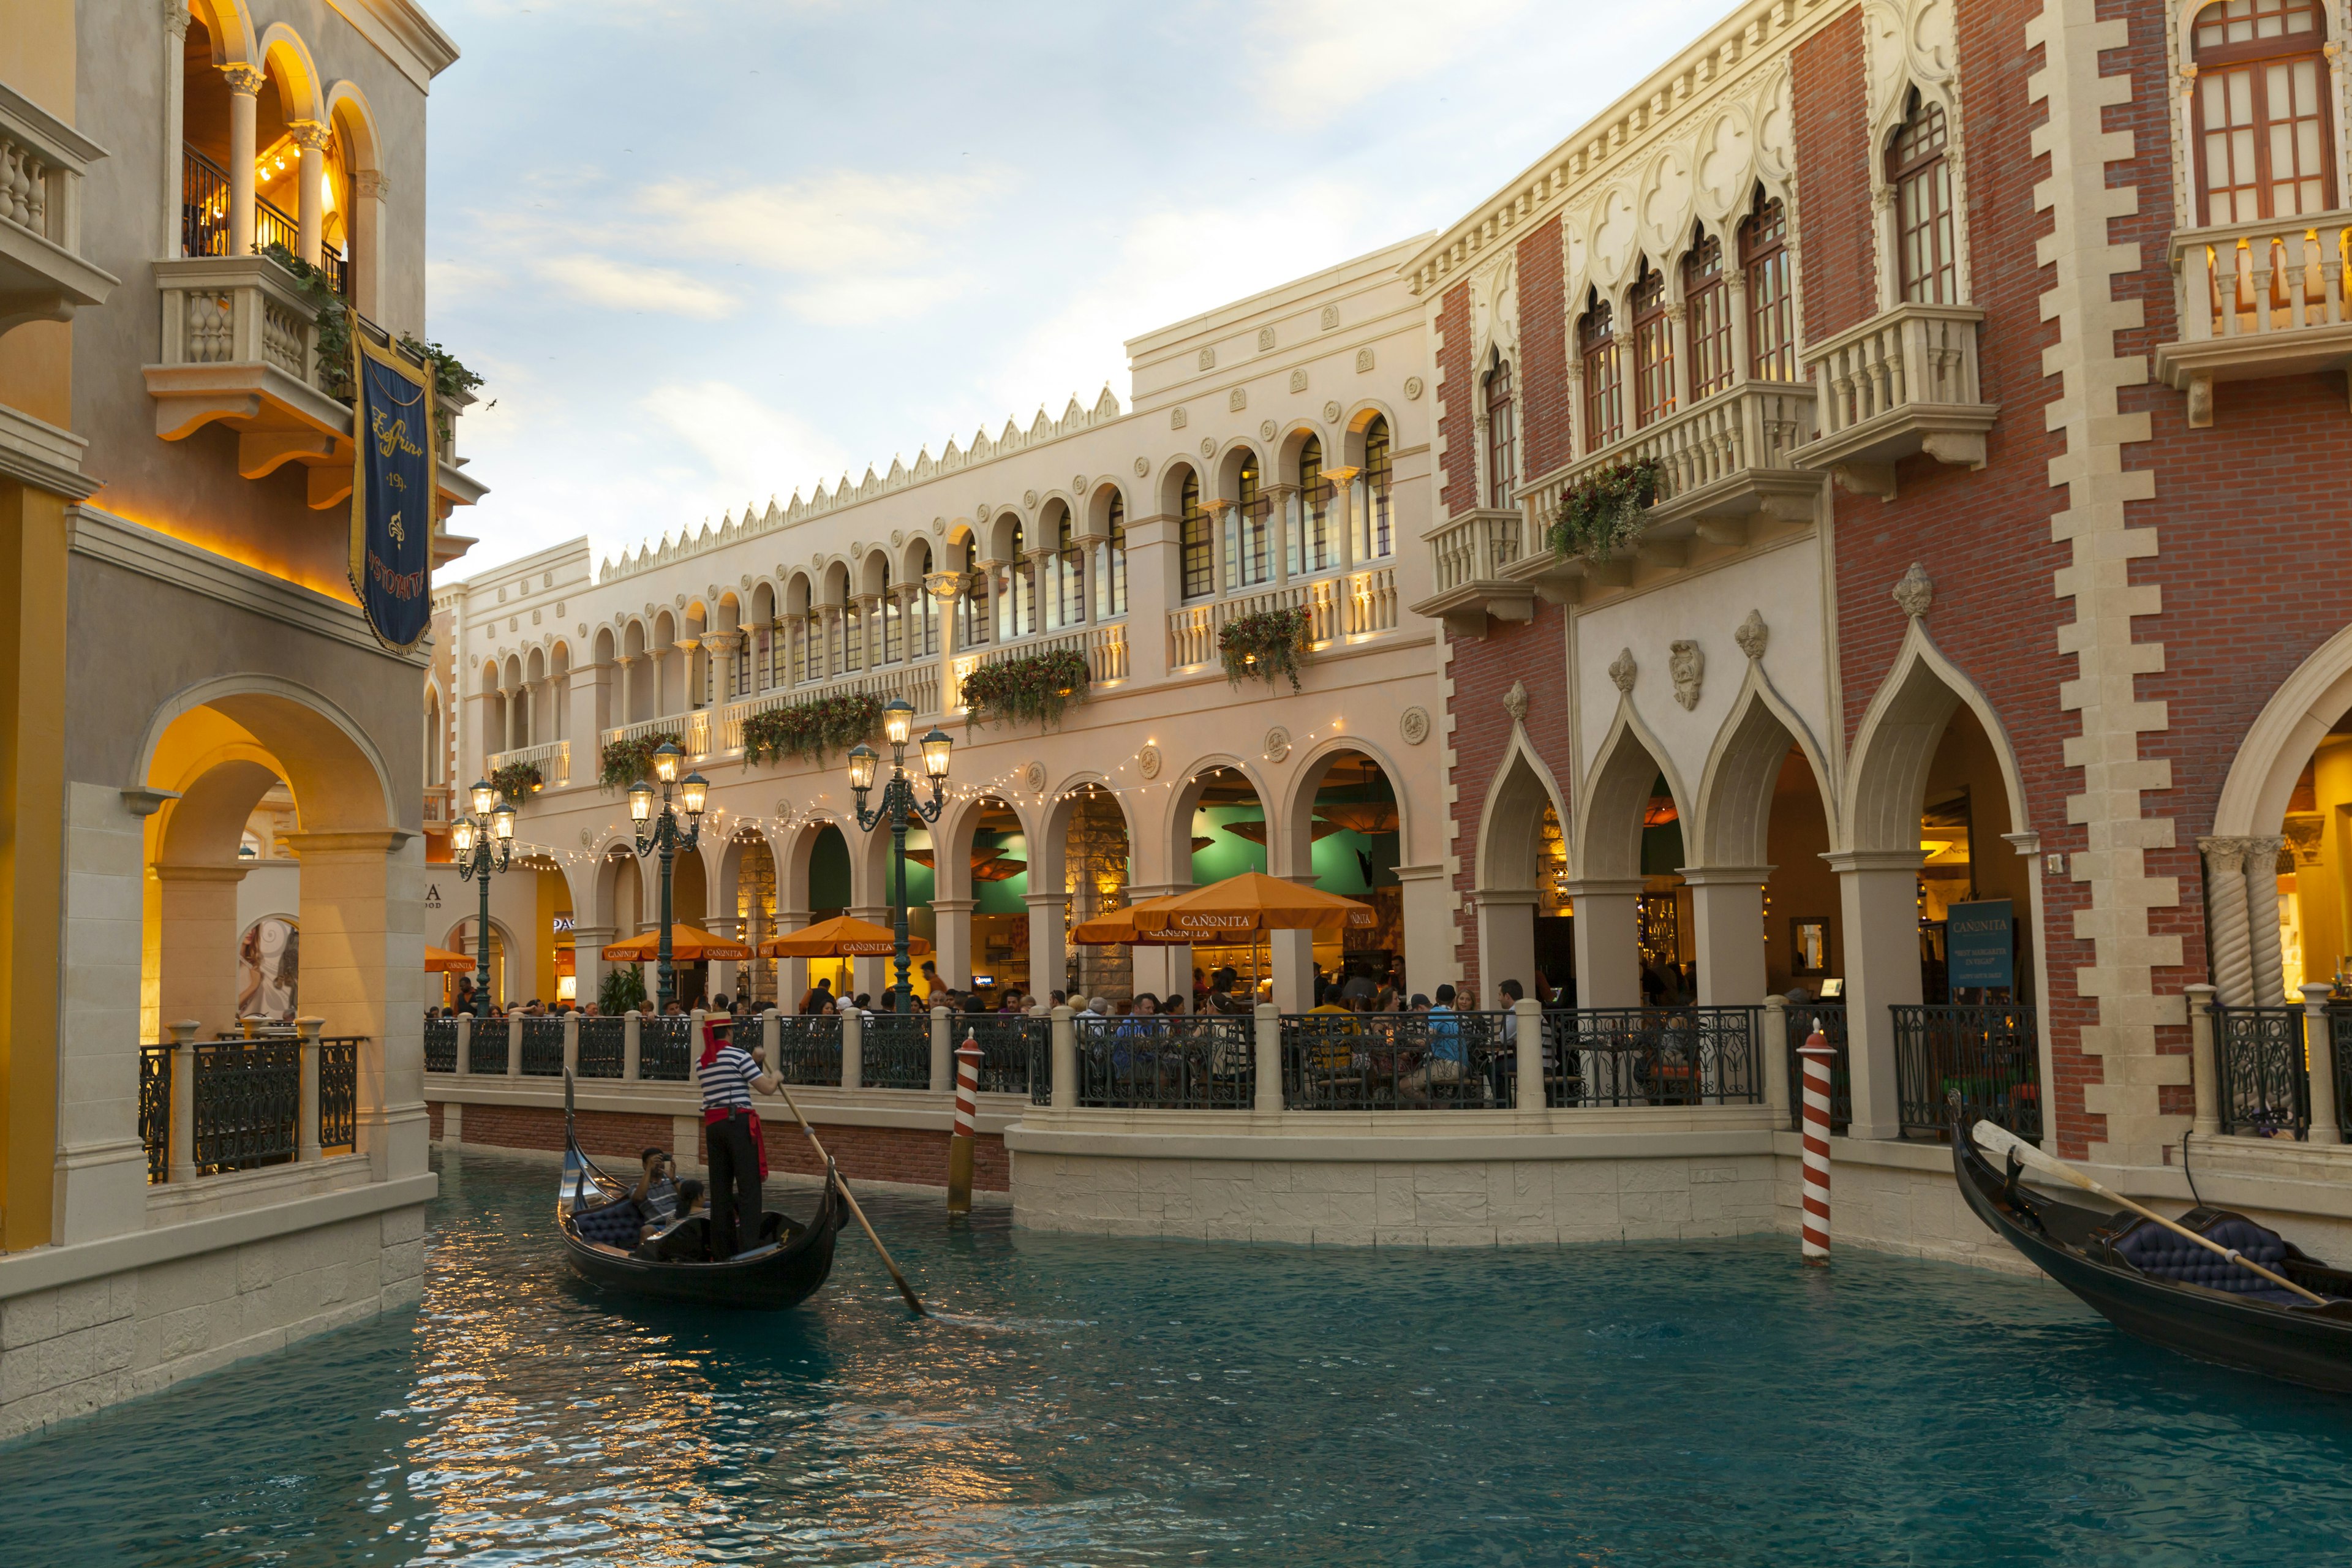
(461, 836)
(666, 758)
(485, 796)
(862, 759)
(694, 792)
(641, 801)
(504, 820)
(1931, 847)
(936, 748)
(898, 721)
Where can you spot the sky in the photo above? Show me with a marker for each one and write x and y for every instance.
(703, 252)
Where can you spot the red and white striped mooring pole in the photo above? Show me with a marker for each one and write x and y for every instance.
(1817, 1056)
(966, 1114)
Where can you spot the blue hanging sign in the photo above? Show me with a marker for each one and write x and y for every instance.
(393, 494)
(1978, 945)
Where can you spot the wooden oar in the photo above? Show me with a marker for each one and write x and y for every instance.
(914, 1303)
(2001, 1140)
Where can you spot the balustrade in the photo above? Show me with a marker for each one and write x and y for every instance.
(1906, 381)
(245, 1101)
(553, 761)
(1354, 604)
(2266, 299)
(1718, 459)
(1104, 647)
(42, 273)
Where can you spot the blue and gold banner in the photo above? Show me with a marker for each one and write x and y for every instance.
(393, 494)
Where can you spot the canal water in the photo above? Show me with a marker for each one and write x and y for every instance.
(1090, 1400)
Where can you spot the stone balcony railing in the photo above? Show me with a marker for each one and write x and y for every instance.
(2259, 300)
(240, 347)
(1350, 608)
(43, 276)
(1468, 557)
(553, 761)
(1902, 383)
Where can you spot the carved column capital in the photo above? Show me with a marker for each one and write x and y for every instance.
(370, 184)
(311, 135)
(243, 79)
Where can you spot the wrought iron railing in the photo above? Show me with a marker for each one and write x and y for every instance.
(1990, 1054)
(808, 1047)
(1399, 1061)
(894, 1051)
(1008, 1043)
(339, 1091)
(440, 1045)
(665, 1050)
(604, 1046)
(542, 1047)
(1159, 1062)
(487, 1051)
(272, 227)
(204, 206)
(1653, 1056)
(2263, 1082)
(337, 269)
(155, 1109)
(2339, 1034)
(1801, 1022)
(247, 1104)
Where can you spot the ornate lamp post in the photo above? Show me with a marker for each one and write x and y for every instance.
(662, 834)
(481, 844)
(898, 800)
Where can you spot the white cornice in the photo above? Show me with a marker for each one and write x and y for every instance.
(39, 453)
(409, 38)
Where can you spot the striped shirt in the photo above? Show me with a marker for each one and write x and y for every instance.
(726, 1082)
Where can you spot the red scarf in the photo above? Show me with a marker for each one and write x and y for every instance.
(710, 1047)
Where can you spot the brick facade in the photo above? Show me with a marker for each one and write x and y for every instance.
(1837, 254)
(1547, 421)
(1457, 386)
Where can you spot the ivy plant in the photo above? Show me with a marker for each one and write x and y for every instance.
(517, 779)
(811, 731)
(1039, 686)
(1268, 644)
(1601, 514)
(625, 761)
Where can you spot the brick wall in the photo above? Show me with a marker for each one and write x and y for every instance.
(1835, 247)
(1483, 669)
(911, 1154)
(1455, 384)
(1547, 429)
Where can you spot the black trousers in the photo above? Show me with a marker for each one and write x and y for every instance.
(734, 1186)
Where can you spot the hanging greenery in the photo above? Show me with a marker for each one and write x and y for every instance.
(623, 989)
(1040, 686)
(811, 731)
(1267, 645)
(517, 779)
(1601, 514)
(627, 762)
(334, 322)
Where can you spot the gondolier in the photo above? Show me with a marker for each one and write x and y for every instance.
(731, 1131)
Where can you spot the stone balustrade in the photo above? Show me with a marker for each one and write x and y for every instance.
(2259, 300)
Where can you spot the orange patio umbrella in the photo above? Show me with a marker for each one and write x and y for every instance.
(1250, 905)
(688, 944)
(844, 936)
(1116, 927)
(441, 961)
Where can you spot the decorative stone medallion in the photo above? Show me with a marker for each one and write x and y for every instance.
(783, 807)
(1142, 467)
(1208, 359)
(1363, 361)
(1208, 446)
(1078, 484)
(1265, 340)
(1331, 414)
(1034, 775)
(1298, 380)
(1266, 430)
(1278, 743)
(1413, 389)
(1029, 499)
(587, 837)
(1330, 317)
(1413, 724)
(1178, 419)
(1147, 762)
(1236, 400)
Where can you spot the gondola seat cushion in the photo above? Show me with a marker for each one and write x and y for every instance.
(2163, 1254)
(614, 1225)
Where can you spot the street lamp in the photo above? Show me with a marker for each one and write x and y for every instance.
(662, 834)
(481, 844)
(897, 801)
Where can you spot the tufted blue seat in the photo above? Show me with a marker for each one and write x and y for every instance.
(615, 1225)
(2161, 1254)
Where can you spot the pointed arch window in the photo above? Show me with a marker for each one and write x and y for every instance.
(1920, 170)
(1502, 435)
(1654, 349)
(2264, 143)
(1708, 303)
(1604, 388)
(1196, 548)
(1771, 308)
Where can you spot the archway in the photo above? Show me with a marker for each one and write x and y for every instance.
(1230, 831)
(1526, 915)
(1096, 855)
(1345, 827)
(1633, 931)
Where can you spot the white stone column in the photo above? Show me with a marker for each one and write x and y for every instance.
(464, 1065)
(310, 171)
(176, 65)
(1530, 1065)
(1064, 1043)
(1220, 580)
(2319, 1048)
(370, 189)
(183, 1100)
(244, 107)
(571, 1042)
(1608, 942)
(792, 973)
(306, 1105)
(853, 1051)
(1342, 480)
(1265, 1024)
(632, 1046)
(1048, 926)
(1727, 907)
(362, 972)
(1734, 294)
(1777, 1090)
(1684, 376)
(942, 1050)
(2267, 957)
(2228, 935)
(1429, 933)
(2204, 1061)
(1878, 899)
(1506, 938)
(197, 931)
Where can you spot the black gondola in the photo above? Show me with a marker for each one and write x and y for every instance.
(783, 1271)
(2164, 1288)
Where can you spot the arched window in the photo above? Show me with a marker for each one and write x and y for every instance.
(926, 630)
(1110, 564)
(1771, 309)
(2263, 147)
(1922, 177)
(1198, 550)
(1604, 389)
(1375, 531)
(1016, 594)
(1654, 349)
(1311, 544)
(1709, 304)
(894, 626)
(1502, 436)
(1247, 560)
(1069, 600)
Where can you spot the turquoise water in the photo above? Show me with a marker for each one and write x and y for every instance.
(1088, 1401)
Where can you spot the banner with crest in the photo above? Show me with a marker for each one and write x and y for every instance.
(393, 494)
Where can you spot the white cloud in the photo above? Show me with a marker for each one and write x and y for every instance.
(832, 223)
(1330, 55)
(627, 285)
(748, 447)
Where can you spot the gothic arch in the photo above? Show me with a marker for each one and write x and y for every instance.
(1609, 827)
(1895, 744)
(2282, 738)
(1735, 792)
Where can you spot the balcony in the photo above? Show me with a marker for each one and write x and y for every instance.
(240, 349)
(553, 760)
(1352, 607)
(1468, 558)
(42, 275)
(1902, 383)
(2259, 300)
(1725, 474)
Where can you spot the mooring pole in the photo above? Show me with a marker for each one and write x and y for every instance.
(1818, 1056)
(966, 1112)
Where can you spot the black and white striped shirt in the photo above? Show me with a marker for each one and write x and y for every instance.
(726, 1082)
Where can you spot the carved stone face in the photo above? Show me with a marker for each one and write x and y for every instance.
(1687, 666)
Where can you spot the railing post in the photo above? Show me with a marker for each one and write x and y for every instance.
(465, 1065)
(571, 1043)
(306, 1112)
(514, 1042)
(771, 1038)
(2319, 1049)
(1267, 1029)
(942, 1051)
(853, 1049)
(1776, 1053)
(1530, 1016)
(632, 1046)
(2205, 1064)
(1065, 1040)
(182, 1153)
